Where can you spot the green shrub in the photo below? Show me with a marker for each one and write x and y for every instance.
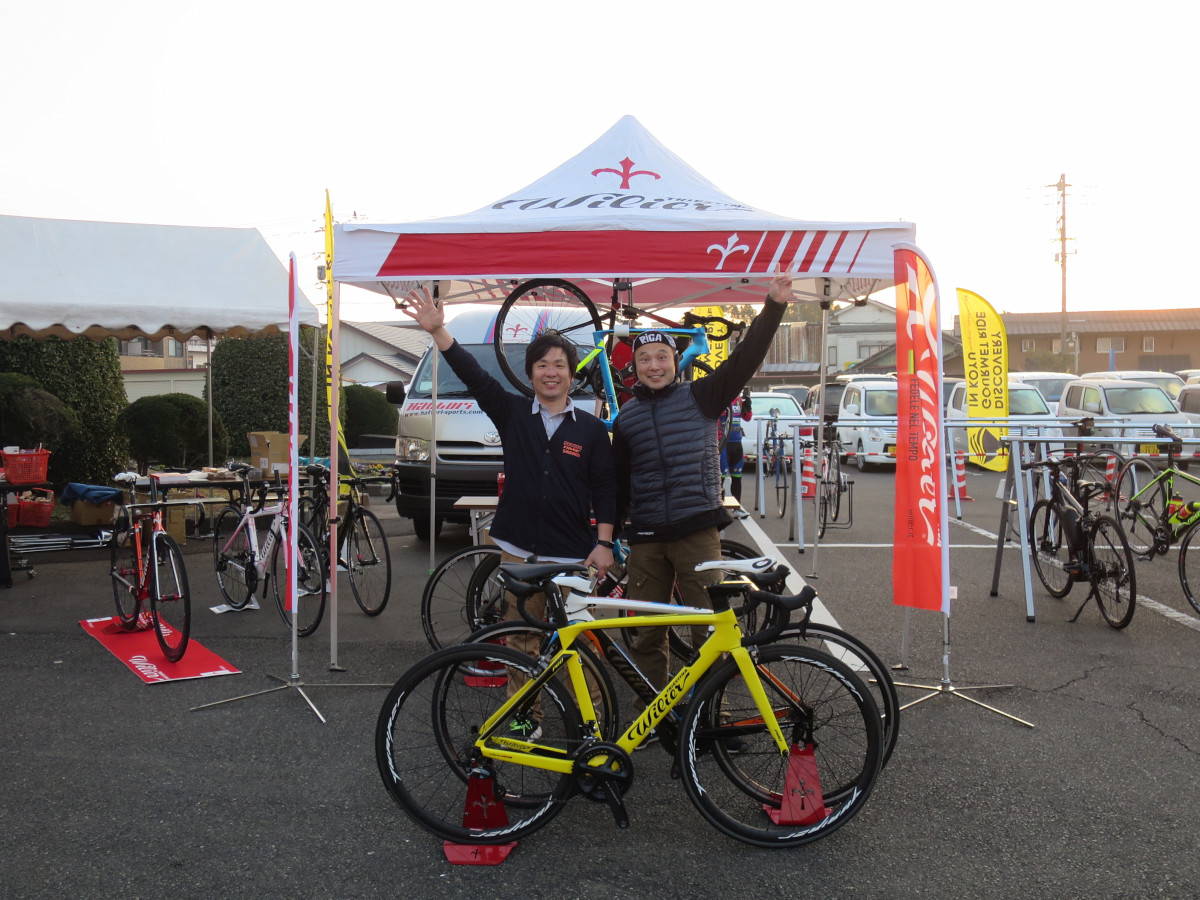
(31, 415)
(367, 412)
(86, 376)
(172, 431)
(250, 390)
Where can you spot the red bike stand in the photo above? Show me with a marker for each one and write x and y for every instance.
(487, 674)
(480, 811)
(802, 798)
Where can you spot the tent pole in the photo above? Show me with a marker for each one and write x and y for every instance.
(208, 379)
(312, 430)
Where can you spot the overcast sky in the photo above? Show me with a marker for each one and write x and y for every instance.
(955, 116)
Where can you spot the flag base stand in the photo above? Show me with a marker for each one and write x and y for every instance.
(946, 688)
(295, 684)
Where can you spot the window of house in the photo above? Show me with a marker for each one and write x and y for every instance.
(1055, 345)
(1110, 344)
(1148, 344)
(1028, 345)
(832, 360)
(865, 350)
(172, 347)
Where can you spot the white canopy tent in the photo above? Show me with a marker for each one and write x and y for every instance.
(625, 207)
(74, 278)
(68, 279)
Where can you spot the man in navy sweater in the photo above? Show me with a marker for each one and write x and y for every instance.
(558, 465)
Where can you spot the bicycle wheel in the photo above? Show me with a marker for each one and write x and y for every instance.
(866, 664)
(445, 616)
(831, 484)
(310, 582)
(521, 636)
(1112, 574)
(425, 745)
(233, 559)
(782, 487)
(731, 767)
(170, 600)
(1141, 504)
(536, 306)
(368, 562)
(308, 511)
(123, 570)
(822, 515)
(485, 597)
(1189, 570)
(1103, 467)
(1048, 548)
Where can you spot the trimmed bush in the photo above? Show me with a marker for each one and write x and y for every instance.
(86, 376)
(172, 431)
(367, 412)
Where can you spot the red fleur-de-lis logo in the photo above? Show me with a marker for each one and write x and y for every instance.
(626, 172)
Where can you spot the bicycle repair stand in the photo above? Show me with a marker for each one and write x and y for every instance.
(946, 688)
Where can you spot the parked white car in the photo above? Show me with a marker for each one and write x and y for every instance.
(1049, 384)
(762, 403)
(866, 423)
(1142, 404)
(1024, 400)
(1168, 381)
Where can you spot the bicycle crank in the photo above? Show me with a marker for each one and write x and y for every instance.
(604, 772)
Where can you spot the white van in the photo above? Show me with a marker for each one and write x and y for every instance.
(1168, 381)
(866, 422)
(1049, 384)
(1141, 404)
(1024, 400)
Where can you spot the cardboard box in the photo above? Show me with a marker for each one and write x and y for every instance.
(174, 518)
(85, 513)
(269, 450)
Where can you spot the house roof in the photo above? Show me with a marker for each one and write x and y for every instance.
(1092, 321)
(407, 340)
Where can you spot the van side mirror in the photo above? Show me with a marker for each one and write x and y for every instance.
(395, 392)
(852, 409)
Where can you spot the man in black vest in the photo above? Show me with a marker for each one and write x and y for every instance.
(669, 471)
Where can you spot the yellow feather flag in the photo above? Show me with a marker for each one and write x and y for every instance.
(985, 365)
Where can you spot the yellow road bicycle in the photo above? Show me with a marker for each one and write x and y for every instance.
(777, 744)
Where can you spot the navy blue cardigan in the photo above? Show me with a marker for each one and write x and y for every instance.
(552, 486)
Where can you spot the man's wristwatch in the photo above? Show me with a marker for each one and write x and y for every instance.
(607, 544)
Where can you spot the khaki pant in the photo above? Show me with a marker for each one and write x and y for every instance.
(654, 569)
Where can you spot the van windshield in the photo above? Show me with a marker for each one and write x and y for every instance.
(1126, 401)
(880, 403)
(1050, 388)
(448, 383)
(1026, 402)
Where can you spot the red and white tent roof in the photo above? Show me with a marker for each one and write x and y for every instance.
(625, 207)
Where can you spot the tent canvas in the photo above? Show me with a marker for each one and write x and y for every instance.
(70, 278)
(624, 207)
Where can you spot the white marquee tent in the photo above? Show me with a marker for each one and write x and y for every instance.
(74, 278)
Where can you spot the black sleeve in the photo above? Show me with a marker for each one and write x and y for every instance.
(714, 393)
(489, 393)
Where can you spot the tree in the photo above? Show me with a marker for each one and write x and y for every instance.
(250, 389)
(86, 376)
(30, 415)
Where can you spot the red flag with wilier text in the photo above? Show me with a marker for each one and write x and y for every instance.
(920, 561)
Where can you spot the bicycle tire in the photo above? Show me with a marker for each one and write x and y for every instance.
(429, 723)
(311, 589)
(811, 692)
(486, 603)
(781, 485)
(832, 480)
(368, 562)
(445, 616)
(123, 567)
(1095, 466)
(170, 599)
(1189, 569)
(1049, 550)
(861, 659)
(1113, 579)
(236, 577)
(535, 306)
(604, 693)
(1141, 504)
(308, 511)
(822, 515)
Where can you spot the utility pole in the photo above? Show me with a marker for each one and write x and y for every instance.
(1061, 257)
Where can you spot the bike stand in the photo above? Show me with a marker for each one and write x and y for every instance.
(801, 803)
(481, 810)
(946, 688)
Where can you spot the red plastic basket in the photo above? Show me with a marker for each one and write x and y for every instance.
(36, 513)
(14, 509)
(27, 466)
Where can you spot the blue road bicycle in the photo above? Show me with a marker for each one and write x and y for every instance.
(602, 336)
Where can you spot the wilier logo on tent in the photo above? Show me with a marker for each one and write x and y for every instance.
(626, 172)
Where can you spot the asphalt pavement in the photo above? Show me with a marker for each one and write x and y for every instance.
(114, 788)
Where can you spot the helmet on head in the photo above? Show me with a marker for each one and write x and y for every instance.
(653, 337)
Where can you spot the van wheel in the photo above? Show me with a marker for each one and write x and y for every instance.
(860, 458)
(421, 527)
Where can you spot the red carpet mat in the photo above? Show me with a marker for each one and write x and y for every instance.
(139, 650)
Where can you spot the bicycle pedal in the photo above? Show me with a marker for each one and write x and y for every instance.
(615, 803)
